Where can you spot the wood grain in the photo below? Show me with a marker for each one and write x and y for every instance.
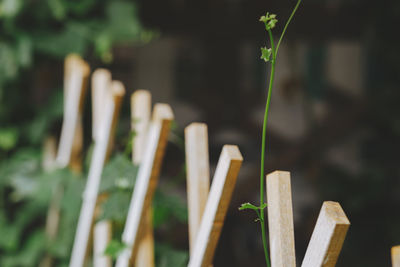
(146, 182)
(217, 205)
(197, 177)
(328, 236)
(140, 119)
(280, 219)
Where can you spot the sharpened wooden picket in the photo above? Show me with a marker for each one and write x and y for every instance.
(328, 236)
(146, 182)
(140, 116)
(280, 219)
(96, 167)
(198, 176)
(395, 256)
(217, 205)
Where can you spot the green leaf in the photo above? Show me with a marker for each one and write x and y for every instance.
(114, 248)
(248, 205)
(266, 53)
(167, 256)
(8, 138)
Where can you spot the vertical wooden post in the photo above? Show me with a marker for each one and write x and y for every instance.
(328, 236)
(140, 116)
(94, 176)
(198, 176)
(101, 83)
(217, 205)
(53, 213)
(280, 219)
(102, 233)
(101, 87)
(49, 154)
(146, 182)
(396, 256)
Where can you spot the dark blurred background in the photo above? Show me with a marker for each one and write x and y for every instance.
(334, 120)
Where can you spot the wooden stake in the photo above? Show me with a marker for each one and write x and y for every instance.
(280, 219)
(198, 176)
(101, 83)
(101, 237)
(71, 139)
(396, 256)
(94, 176)
(53, 213)
(328, 236)
(140, 116)
(49, 154)
(146, 182)
(101, 86)
(145, 253)
(76, 72)
(217, 205)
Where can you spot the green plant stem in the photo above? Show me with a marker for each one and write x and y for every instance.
(286, 25)
(264, 134)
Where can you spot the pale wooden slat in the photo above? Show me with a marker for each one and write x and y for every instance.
(198, 176)
(77, 146)
(146, 182)
(217, 205)
(140, 116)
(328, 236)
(116, 88)
(53, 213)
(280, 219)
(396, 256)
(94, 176)
(101, 83)
(49, 154)
(102, 234)
(118, 91)
(140, 119)
(70, 145)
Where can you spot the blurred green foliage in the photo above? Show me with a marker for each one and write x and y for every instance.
(33, 32)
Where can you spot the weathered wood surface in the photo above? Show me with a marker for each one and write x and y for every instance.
(198, 176)
(328, 236)
(217, 205)
(71, 140)
(140, 120)
(280, 219)
(96, 167)
(146, 182)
